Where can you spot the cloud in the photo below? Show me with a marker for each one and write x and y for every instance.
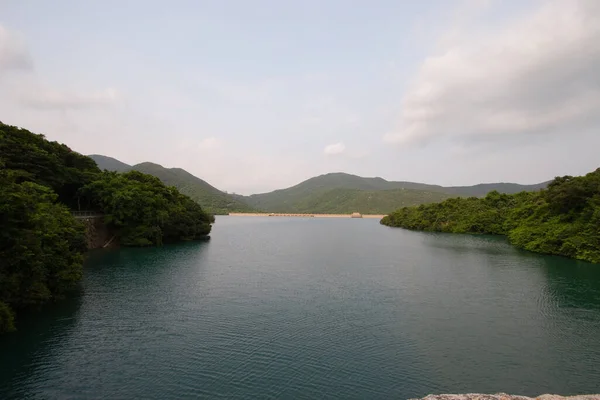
(28, 90)
(50, 99)
(539, 75)
(13, 53)
(334, 149)
(209, 143)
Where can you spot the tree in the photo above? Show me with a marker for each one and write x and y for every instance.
(564, 219)
(32, 158)
(144, 212)
(41, 247)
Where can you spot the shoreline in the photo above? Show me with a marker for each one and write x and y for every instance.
(302, 215)
(504, 396)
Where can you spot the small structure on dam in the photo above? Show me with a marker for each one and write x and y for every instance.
(355, 215)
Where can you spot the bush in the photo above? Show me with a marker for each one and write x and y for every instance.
(7, 318)
(563, 219)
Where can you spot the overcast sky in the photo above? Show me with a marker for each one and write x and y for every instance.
(258, 95)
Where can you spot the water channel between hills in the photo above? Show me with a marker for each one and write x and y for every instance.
(311, 308)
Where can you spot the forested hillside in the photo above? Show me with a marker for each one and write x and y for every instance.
(383, 195)
(210, 198)
(42, 244)
(346, 201)
(109, 163)
(563, 219)
(328, 193)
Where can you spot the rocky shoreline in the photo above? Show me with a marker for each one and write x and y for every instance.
(504, 396)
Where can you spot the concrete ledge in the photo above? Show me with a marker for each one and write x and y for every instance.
(504, 396)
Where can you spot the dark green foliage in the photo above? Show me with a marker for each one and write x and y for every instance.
(563, 219)
(209, 197)
(41, 247)
(33, 158)
(343, 193)
(143, 211)
(7, 318)
(42, 244)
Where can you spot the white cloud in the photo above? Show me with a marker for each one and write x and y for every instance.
(28, 90)
(44, 98)
(13, 53)
(537, 76)
(334, 149)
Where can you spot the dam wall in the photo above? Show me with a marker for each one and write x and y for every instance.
(379, 216)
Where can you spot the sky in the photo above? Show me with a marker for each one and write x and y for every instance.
(253, 96)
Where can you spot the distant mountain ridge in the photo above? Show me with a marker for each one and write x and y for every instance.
(293, 198)
(209, 197)
(329, 193)
(347, 201)
(202, 192)
(109, 163)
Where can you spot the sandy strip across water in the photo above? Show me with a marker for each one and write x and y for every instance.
(304, 215)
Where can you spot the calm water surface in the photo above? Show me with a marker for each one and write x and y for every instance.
(313, 308)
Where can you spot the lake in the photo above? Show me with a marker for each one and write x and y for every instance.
(310, 308)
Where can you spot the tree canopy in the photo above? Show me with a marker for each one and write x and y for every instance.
(41, 247)
(42, 244)
(32, 158)
(144, 211)
(563, 219)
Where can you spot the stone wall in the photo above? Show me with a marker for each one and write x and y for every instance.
(97, 233)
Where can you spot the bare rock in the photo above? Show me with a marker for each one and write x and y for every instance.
(504, 396)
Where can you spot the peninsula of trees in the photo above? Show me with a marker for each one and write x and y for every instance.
(563, 219)
(212, 199)
(42, 244)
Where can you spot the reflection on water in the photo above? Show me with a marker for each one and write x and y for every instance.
(25, 351)
(314, 308)
(574, 285)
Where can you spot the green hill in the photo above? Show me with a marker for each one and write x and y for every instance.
(109, 163)
(482, 189)
(346, 201)
(42, 244)
(209, 197)
(373, 195)
(329, 193)
(562, 219)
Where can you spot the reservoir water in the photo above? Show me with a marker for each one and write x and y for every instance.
(310, 308)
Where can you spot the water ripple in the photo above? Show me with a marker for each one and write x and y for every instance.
(301, 309)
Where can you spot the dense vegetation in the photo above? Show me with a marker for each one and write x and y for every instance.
(42, 244)
(330, 193)
(144, 211)
(563, 219)
(32, 158)
(321, 194)
(346, 201)
(210, 198)
(41, 247)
